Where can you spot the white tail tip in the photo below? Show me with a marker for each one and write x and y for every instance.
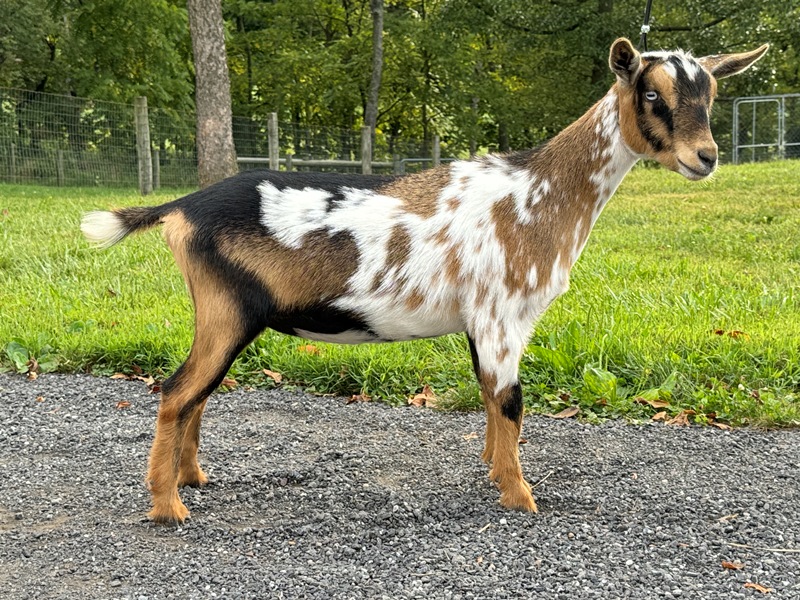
(103, 228)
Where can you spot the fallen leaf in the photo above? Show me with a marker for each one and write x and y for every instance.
(425, 398)
(522, 441)
(137, 370)
(732, 565)
(359, 398)
(308, 349)
(147, 379)
(32, 375)
(479, 560)
(276, 377)
(758, 587)
(728, 517)
(722, 426)
(40, 398)
(567, 413)
(123, 404)
(659, 416)
(681, 419)
(735, 334)
(472, 435)
(228, 382)
(120, 376)
(564, 396)
(653, 403)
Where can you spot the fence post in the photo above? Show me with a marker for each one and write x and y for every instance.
(398, 166)
(366, 150)
(13, 163)
(60, 167)
(274, 146)
(143, 156)
(156, 169)
(288, 161)
(437, 151)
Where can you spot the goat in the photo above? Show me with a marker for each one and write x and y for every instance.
(480, 246)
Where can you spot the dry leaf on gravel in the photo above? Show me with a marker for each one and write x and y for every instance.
(123, 404)
(758, 587)
(567, 413)
(726, 564)
(358, 398)
(425, 398)
(472, 435)
(659, 416)
(681, 419)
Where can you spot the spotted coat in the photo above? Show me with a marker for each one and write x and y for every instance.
(480, 246)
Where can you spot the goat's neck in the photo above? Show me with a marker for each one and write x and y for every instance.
(582, 167)
(593, 156)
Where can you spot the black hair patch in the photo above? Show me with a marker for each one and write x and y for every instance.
(512, 406)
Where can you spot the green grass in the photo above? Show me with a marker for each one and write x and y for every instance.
(670, 266)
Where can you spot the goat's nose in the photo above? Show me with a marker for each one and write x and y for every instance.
(708, 157)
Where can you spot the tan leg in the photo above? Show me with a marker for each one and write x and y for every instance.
(491, 434)
(503, 419)
(504, 409)
(189, 472)
(219, 337)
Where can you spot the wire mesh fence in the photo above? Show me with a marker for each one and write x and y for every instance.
(53, 139)
(64, 140)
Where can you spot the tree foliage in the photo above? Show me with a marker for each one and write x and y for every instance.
(480, 73)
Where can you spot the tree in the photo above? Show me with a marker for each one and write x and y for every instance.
(216, 156)
(371, 112)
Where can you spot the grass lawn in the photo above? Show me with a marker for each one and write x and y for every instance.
(686, 296)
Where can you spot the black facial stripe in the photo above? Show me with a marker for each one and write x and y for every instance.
(699, 114)
(662, 112)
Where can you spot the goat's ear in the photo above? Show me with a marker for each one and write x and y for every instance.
(625, 61)
(725, 65)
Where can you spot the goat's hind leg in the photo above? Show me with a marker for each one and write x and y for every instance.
(220, 335)
(189, 472)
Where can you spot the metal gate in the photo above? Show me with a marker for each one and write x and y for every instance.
(766, 127)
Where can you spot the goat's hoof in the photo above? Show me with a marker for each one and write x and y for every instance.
(173, 512)
(519, 498)
(194, 478)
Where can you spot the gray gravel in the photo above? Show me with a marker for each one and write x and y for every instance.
(313, 498)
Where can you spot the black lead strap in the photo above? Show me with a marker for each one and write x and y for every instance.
(645, 27)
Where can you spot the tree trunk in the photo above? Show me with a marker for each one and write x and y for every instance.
(216, 156)
(371, 112)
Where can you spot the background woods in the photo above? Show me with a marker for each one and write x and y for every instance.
(481, 74)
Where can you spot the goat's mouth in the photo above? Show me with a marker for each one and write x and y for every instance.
(693, 173)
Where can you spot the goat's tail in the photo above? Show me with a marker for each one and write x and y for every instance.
(106, 228)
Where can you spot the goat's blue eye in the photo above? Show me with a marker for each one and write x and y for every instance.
(651, 96)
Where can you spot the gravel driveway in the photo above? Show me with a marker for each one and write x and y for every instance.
(313, 498)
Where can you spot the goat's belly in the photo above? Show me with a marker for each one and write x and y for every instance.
(390, 320)
(348, 321)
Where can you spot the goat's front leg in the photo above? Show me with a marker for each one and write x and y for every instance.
(497, 368)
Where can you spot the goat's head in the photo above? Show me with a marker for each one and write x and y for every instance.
(664, 102)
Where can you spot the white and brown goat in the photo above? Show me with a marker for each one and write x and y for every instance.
(480, 246)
